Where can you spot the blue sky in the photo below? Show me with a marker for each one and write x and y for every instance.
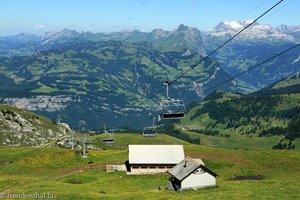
(37, 16)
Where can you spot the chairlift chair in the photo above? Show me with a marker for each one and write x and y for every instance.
(150, 131)
(110, 138)
(172, 108)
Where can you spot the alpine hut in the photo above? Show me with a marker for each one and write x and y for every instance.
(191, 174)
(151, 159)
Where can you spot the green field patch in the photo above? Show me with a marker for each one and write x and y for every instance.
(45, 89)
(124, 139)
(219, 164)
(79, 179)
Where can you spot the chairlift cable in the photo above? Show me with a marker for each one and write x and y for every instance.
(234, 36)
(214, 51)
(251, 11)
(277, 10)
(204, 58)
(243, 72)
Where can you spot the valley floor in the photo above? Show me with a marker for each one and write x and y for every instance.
(62, 172)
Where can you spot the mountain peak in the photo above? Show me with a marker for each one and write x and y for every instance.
(247, 22)
(233, 25)
(68, 32)
(182, 27)
(288, 29)
(283, 28)
(61, 36)
(256, 31)
(22, 38)
(158, 33)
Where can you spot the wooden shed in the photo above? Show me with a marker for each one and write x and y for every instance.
(151, 159)
(191, 174)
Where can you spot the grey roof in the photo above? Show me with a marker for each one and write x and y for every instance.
(155, 154)
(186, 167)
(198, 160)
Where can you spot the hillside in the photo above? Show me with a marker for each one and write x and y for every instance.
(255, 122)
(290, 84)
(82, 78)
(66, 175)
(22, 128)
(86, 82)
(124, 139)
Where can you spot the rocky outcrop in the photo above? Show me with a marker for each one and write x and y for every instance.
(40, 102)
(21, 128)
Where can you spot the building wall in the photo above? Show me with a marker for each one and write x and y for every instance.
(149, 169)
(115, 168)
(198, 180)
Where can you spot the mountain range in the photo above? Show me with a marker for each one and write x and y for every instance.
(86, 78)
(249, 48)
(253, 46)
(256, 31)
(181, 37)
(177, 40)
(87, 83)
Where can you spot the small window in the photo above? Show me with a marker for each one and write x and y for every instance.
(198, 171)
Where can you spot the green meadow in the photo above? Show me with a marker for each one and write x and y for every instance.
(66, 174)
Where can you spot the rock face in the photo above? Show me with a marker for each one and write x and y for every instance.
(40, 102)
(183, 38)
(255, 32)
(21, 128)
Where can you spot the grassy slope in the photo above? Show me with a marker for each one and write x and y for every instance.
(286, 82)
(290, 81)
(53, 170)
(289, 84)
(122, 140)
(237, 139)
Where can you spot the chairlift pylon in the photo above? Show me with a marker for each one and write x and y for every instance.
(171, 108)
